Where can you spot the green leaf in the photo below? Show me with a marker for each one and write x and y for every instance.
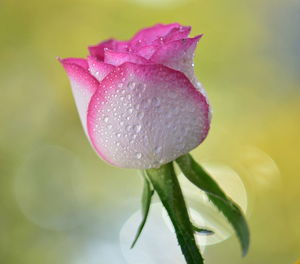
(198, 176)
(146, 202)
(202, 231)
(166, 185)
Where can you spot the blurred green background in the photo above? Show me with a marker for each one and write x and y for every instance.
(61, 204)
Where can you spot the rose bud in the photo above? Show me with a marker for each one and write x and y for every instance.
(139, 101)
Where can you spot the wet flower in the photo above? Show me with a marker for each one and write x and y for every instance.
(139, 101)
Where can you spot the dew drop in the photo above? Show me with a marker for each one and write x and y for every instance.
(158, 149)
(106, 119)
(128, 128)
(141, 87)
(138, 155)
(118, 135)
(155, 164)
(137, 106)
(140, 115)
(162, 161)
(156, 101)
(131, 85)
(146, 103)
(130, 110)
(137, 128)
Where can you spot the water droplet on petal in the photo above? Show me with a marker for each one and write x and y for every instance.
(162, 161)
(131, 85)
(140, 115)
(106, 119)
(146, 103)
(155, 164)
(158, 149)
(138, 155)
(137, 128)
(156, 101)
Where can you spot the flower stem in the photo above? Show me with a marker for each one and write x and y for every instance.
(165, 183)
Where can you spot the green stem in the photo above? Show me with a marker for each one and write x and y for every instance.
(166, 185)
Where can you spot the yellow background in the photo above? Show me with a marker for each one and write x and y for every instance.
(57, 197)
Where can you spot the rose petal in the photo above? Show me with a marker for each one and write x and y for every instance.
(178, 33)
(175, 34)
(147, 51)
(143, 116)
(117, 58)
(78, 61)
(83, 87)
(178, 55)
(98, 50)
(147, 35)
(98, 68)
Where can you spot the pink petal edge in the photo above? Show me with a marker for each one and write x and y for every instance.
(83, 87)
(178, 55)
(99, 49)
(147, 35)
(77, 61)
(99, 69)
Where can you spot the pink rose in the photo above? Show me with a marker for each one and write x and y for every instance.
(139, 101)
